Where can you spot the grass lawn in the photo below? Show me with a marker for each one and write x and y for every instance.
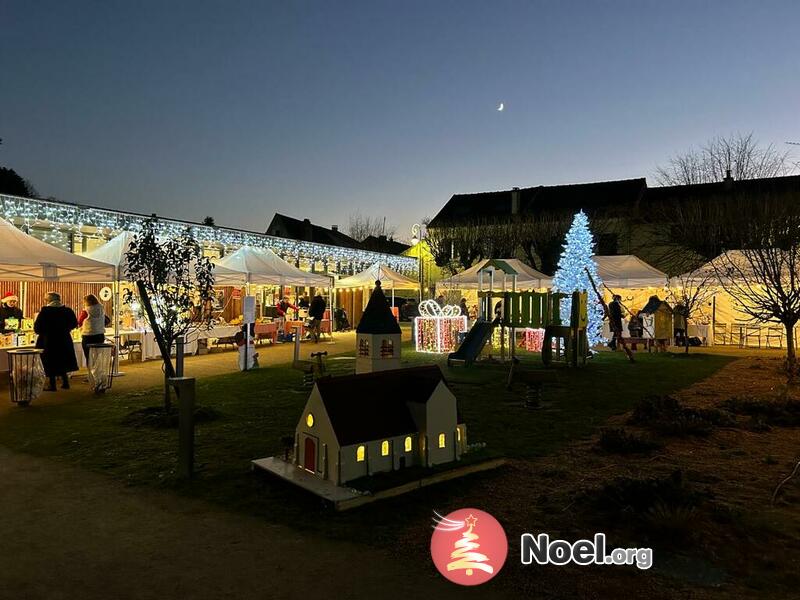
(259, 407)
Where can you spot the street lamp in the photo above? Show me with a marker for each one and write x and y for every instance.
(416, 238)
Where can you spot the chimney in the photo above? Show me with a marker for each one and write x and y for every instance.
(334, 228)
(515, 201)
(381, 238)
(308, 231)
(728, 181)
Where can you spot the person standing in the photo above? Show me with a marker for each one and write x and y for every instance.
(316, 311)
(615, 320)
(53, 326)
(10, 310)
(464, 308)
(92, 321)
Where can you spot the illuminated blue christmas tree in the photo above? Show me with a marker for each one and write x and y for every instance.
(572, 276)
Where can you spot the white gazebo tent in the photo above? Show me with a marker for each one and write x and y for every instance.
(114, 253)
(24, 258)
(723, 313)
(527, 278)
(629, 272)
(261, 266)
(389, 278)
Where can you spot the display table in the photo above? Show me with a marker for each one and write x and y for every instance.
(324, 327)
(267, 331)
(4, 355)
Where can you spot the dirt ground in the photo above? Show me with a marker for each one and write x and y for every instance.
(76, 535)
(740, 547)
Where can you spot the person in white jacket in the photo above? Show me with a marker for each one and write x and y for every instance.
(92, 321)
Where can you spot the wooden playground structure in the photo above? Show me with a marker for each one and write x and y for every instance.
(565, 339)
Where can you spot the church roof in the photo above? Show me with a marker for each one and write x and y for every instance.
(377, 316)
(374, 406)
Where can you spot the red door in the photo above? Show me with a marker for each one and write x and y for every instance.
(310, 455)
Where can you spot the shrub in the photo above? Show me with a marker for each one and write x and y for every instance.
(766, 412)
(665, 415)
(620, 441)
(639, 496)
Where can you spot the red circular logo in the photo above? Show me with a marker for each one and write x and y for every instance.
(468, 546)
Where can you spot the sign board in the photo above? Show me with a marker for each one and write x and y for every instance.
(249, 309)
(105, 294)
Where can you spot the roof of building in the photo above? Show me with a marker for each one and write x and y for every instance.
(489, 205)
(373, 406)
(380, 243)
(766, 185)
(377, 316)
(305, 230)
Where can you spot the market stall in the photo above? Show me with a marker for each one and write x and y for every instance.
(262, 267)
(723, 318)
(24, 258)
(636, 282)
(365, 280)
(114, 253)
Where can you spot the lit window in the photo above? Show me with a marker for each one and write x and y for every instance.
(384, 448)
(363, 347)
(442, 440)
(458, 434)
(310, 420)
(360, 452)
(408, 444)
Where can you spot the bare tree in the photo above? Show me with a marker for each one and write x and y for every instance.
(758, 240)
(361, 227)
(739, 154)
(689, 293)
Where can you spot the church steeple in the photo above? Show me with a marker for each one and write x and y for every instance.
(378, 336)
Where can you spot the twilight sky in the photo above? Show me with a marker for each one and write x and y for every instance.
(321, 109)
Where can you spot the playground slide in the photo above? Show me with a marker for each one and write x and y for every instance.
(473, 343)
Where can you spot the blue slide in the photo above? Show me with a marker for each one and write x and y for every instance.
(473, 343)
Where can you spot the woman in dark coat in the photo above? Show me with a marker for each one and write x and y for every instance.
(53, 326)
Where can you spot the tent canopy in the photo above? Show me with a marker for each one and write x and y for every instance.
(527, 277)
(115, 250)
(24, 258)
(628, 271)
(261, 266)
(377, 272)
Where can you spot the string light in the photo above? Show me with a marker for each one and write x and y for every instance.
(58, 223)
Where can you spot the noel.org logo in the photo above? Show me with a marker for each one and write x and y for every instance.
(468, 546)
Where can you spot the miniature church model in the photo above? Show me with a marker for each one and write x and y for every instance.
(377, 336)
(358, 425)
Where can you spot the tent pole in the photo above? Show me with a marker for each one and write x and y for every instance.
(116, 310)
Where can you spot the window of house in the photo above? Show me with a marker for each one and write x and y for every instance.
(408, 443)
(360, 453)
(363, 347)
(442, 440)
(387, 349)
(385, 448)
(310, 420)
(458, 434)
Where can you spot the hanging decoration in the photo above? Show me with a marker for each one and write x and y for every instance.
(62, 225)
(571, 275)
(437, 327)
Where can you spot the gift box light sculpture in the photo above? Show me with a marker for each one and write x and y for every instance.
(533, 340)
(436, 328)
